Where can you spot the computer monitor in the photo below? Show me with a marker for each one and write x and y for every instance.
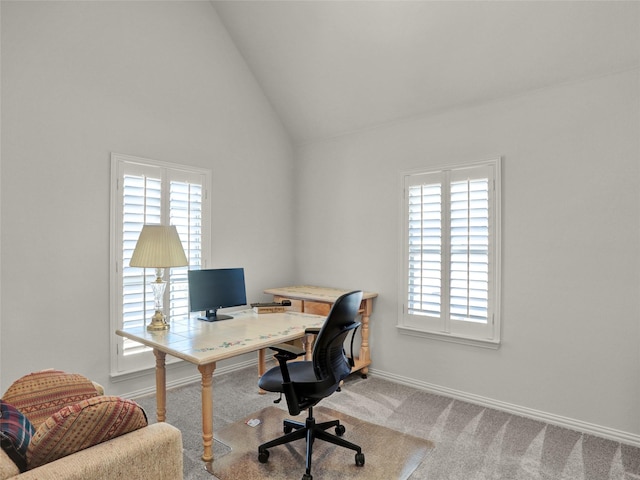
(212, 289)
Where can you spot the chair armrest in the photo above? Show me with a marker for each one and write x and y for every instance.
(286, 351)
(312, 331)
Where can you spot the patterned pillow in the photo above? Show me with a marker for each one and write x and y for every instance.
(15, 434)
(83, 425)
(39, 395)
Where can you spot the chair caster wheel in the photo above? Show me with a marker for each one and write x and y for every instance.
(340, 430)
(263, 456)
(306, 476)
(359, 459)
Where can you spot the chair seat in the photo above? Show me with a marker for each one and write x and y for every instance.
(300, 372)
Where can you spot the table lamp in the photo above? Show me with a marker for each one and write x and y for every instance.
(158, 247)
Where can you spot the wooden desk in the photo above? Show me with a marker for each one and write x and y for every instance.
(205, 343)
(318, 300)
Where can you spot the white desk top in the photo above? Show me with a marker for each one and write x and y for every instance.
(201, 342)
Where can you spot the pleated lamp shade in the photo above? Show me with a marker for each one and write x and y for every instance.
(158, 246)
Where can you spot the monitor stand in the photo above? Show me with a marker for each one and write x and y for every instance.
(214, 316)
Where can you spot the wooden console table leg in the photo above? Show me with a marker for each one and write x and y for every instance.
(365, 356)
(207, 409)
(307, 341)
(161, 386)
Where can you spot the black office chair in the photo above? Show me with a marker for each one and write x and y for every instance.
(305, 383)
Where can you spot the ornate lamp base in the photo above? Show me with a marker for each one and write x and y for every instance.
(158, 322)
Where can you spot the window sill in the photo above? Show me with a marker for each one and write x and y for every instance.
(447, 337)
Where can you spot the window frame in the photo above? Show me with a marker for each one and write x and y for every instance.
(122, 165)
(488, 334)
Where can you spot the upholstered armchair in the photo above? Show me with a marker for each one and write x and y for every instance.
(61, 426)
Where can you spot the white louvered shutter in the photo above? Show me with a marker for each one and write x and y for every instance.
(185, 211)
(425, 249)
(148, 192)
(141, 203)
(469, 250)
(451, 242)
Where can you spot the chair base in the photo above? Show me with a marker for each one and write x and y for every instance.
(310, 430)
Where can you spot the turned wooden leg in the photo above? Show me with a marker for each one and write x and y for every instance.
(161, 386)
(207, 409)
(262, 366)
(307, 341)
(364, 346)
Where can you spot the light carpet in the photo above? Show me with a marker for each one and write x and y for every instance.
(389, 454)
(471, 442)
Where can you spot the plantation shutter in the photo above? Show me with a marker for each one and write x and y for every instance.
(450, 260)
(148, 192)
(141, 203)
(469, 263)
(425, 246)
(185, 212)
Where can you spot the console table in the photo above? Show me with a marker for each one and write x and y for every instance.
(318, 301)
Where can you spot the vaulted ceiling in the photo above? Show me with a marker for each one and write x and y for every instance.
(333, 67)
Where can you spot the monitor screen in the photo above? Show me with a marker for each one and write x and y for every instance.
(217, 288)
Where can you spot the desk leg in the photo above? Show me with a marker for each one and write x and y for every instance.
(161, 386)
(207, 409)
(365, 356)
(262, 366)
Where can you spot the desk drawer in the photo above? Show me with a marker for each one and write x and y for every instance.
(306, 306)
(317, 308)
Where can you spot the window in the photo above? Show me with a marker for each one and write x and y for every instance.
(150, 192)
(450, 261)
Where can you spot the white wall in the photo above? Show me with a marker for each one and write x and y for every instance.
(160, 80)
(571, 244)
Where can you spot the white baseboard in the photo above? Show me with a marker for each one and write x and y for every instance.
(570, 423)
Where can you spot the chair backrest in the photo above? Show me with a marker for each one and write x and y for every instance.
(329, 360)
